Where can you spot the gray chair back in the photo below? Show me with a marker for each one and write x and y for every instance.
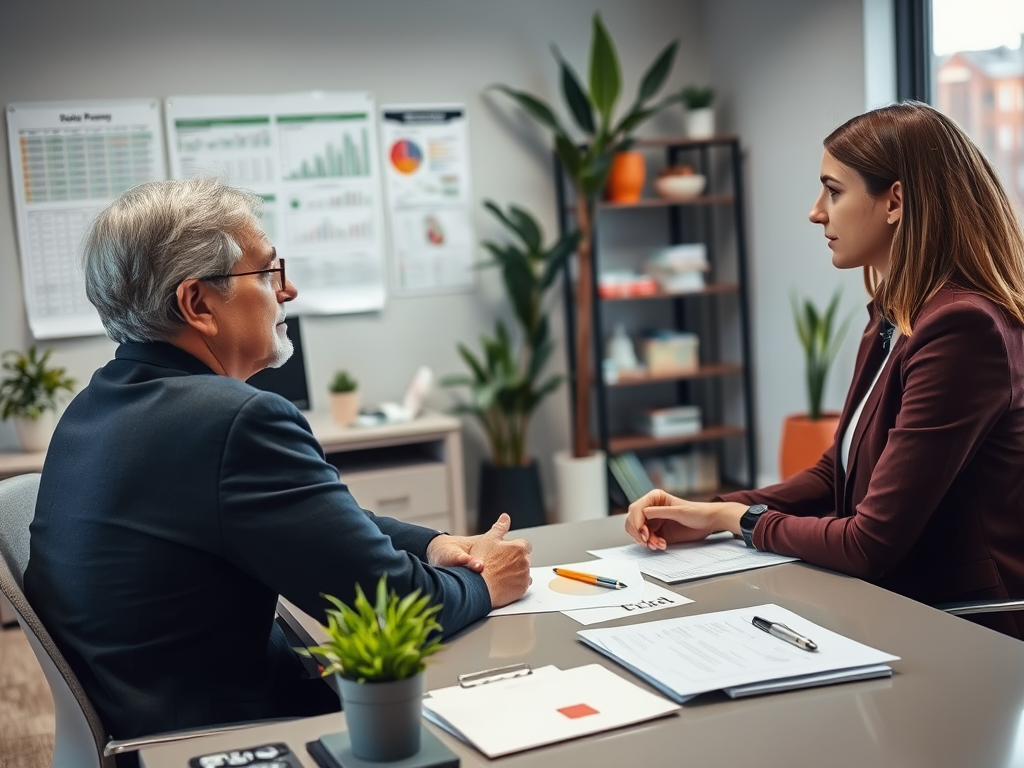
(79, 737)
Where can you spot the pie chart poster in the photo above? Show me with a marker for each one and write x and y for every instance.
(427, 179)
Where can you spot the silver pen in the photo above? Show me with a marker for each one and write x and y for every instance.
(781, 631)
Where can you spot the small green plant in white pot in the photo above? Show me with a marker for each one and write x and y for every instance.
(30, 390)
(700, 115)
(378, 653)
(344, 391)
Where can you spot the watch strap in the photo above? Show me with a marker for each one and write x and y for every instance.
(749, 520)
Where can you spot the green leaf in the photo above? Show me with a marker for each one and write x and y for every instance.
(655, 76)
(577, 99)
(533, 106)
(527, 227)
(569, 155)
(605, 75)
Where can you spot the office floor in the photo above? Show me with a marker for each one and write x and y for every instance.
(26, 709)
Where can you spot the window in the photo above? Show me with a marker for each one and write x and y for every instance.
(975, 73)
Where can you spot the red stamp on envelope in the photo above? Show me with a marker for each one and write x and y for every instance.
(578, 710)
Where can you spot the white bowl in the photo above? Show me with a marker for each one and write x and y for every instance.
(679, 187)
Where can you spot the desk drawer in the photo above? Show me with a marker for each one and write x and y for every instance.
(409, 492)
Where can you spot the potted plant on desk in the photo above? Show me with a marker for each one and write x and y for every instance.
(377, 653)
(344, 398)
(506, 382)
(29, 393)
(805, 436)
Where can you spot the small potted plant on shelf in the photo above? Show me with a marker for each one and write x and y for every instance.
(700, 116)
(805, 436)
(344, 398)
(582, 473)
(506, 382)
(29, 394)
(378, 653)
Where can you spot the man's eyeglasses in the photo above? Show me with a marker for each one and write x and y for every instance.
(278, 268)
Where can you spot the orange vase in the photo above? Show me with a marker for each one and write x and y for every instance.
(804, 440)
(626, 177)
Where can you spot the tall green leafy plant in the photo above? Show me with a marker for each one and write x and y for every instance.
(380, 642)
(585, 152)
(506, 381)
(820, 341)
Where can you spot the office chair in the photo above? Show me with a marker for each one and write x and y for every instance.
(80, 739)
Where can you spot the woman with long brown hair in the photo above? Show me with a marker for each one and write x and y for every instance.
(923, 490)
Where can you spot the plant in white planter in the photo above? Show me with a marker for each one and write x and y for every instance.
(344, 391)
(378, 652)
(700, 116)
(29, 393)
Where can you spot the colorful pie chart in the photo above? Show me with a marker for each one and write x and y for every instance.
(406, 156)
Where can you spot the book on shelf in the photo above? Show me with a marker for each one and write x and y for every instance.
(630, 474)
(693, 471)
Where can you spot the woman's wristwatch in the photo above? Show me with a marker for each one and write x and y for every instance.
(749, 520)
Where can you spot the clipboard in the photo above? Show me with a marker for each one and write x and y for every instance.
(546, 704)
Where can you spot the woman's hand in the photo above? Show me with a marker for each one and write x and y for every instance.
(659, 519)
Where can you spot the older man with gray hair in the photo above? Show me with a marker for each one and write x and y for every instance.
(177, 502)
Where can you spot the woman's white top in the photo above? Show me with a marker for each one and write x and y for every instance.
(844, 452)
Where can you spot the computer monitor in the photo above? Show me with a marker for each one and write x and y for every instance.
(289, 380)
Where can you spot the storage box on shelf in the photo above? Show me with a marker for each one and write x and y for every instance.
(700, 358)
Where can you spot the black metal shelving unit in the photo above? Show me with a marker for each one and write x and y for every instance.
(719, 314)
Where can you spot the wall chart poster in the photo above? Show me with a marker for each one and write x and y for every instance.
(313, 158)
(68, 161)
(426, 170)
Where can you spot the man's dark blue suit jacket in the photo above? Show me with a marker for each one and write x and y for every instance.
(175, 506)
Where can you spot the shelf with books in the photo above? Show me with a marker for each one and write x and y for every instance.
(707, 290)
(642, 376)
(688, 255)
(635, 442)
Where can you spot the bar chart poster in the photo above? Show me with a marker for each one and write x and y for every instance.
(427, 176)
(68, 161)
(313, 158)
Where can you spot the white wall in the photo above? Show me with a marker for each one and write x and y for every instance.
(787, 71)
(432, 50)
(790, 72)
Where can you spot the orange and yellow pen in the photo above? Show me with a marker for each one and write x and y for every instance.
(589, 578)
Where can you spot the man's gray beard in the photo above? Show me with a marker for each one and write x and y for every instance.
(283, 349)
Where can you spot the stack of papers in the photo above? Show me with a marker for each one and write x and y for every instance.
(715, 555)
(687, 656)
(544, 707)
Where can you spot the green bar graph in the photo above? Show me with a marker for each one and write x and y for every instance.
(338, 159)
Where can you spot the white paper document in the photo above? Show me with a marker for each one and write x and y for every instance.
(687, 656)
(700, 559)
(430, 202)
(655, 599)
(313, 158)
(545, 707)
(69, 160)
(550, 592)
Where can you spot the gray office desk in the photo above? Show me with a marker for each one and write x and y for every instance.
(956, 699)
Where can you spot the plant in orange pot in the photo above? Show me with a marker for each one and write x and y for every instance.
(805, 436)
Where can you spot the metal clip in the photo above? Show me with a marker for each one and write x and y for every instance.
(484, 676)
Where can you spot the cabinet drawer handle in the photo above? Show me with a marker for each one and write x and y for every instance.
(393, 500)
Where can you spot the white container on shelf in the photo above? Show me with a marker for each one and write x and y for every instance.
(700, 123)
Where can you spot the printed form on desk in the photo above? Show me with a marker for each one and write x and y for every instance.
(715, 555)
(690, 655)
(546, 706)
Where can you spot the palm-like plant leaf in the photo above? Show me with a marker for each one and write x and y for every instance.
(577, 99)
(605, 75)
